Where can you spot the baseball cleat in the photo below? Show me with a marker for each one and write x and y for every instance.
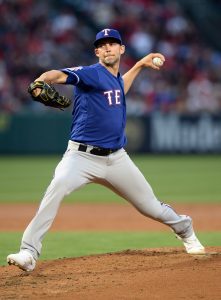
(192, 245)
(23, 259)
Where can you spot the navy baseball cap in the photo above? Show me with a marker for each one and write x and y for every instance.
(108, 33)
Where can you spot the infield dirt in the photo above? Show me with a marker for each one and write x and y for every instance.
(164, 273)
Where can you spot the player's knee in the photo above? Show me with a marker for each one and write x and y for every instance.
(153, 211)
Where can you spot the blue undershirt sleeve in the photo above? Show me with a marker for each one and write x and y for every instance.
(72, 77)
(82, 76)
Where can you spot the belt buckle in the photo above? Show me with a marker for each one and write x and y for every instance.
(101, 151)
(94, 149)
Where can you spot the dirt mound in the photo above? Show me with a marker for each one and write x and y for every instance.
(165, 273)
(150, 274)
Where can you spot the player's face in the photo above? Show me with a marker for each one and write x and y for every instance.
(109, 52)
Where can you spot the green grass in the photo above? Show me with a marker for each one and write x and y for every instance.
(173, 178)
(69, 244)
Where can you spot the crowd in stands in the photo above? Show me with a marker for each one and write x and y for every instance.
(36, 36)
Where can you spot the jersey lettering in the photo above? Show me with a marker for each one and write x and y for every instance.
(117, 96)
(109, 98)
(110, 94)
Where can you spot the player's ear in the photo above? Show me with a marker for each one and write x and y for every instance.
(96, 52)
(122, 49)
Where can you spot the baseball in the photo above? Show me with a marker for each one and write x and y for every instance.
(157, 61)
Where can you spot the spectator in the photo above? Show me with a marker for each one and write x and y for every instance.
(37, 35)
(201, 96)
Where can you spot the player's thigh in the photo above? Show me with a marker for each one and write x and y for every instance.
(129, 182)
(127, 178)
(71, 173)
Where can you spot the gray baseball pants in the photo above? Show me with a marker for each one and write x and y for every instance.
(115, 171)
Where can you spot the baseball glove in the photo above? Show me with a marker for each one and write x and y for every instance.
(48, 95)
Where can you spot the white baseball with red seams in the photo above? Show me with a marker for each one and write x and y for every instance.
(157, 61)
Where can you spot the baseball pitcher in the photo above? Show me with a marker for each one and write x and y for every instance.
(95, 151)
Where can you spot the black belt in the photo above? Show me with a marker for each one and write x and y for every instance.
(97, 150)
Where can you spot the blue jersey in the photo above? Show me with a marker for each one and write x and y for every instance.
(99, 112)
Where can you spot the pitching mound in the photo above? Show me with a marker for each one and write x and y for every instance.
(166, 273)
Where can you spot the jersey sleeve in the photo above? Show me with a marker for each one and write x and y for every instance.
(82, 76)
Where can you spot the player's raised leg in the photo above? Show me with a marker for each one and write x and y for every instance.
(127, 180)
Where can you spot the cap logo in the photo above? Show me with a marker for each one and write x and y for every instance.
(106, 31)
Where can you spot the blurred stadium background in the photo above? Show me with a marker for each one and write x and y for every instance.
(176, 110)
